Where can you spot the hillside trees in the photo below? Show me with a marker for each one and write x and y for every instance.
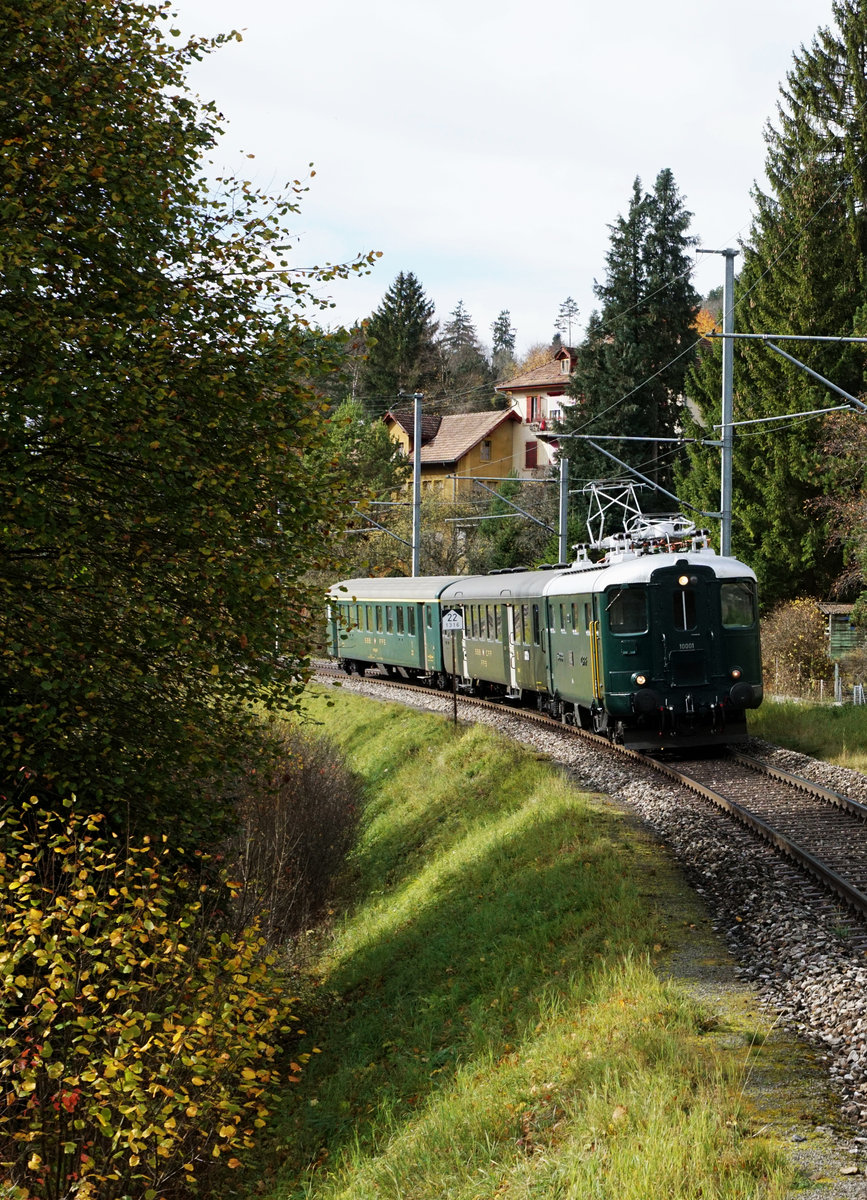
(630, 368)
(402, 354)
(804, 272)
(157, 412)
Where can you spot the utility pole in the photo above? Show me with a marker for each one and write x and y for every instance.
(416, 483)
(725, 538)
(563, 527)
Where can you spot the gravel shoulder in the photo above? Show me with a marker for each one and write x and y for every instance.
(782, 969)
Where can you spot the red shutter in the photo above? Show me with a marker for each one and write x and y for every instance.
(530, 454)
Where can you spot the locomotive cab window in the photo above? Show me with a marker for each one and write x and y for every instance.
(627, 611)
(738, 604)
(684, 609)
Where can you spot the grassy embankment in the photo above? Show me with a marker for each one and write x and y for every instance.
(487, 1008)
(837, 734)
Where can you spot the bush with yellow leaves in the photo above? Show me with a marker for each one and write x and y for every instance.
(795, 649)
(138, 1038)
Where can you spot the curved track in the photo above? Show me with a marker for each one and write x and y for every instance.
(821, 830)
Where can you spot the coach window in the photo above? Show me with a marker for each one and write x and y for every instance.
(496, 622)
(587, 617)
(429, 616)
(379, 618)
(738, 601)
(399, 615)
(574, 616)
(410, 621)
(627, 611)
(389, 619)
(536, 636)
(369, 623)
(489, 623)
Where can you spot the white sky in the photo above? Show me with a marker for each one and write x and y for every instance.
(486, 145)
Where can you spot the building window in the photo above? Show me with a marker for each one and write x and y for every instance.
(485, 451)
(531, 455)
(564, 366)
(532, 408)
(555, 414)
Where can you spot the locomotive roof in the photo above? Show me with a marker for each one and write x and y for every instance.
(638, 568)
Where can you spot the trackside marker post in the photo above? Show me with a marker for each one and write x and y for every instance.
(453, 623)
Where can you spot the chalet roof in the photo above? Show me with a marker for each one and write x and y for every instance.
(430, 423)
(458, 433)
(834, 610)
(549, 375)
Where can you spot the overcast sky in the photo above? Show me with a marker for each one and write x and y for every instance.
(486, 145)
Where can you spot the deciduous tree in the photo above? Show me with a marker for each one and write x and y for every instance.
(157, 415)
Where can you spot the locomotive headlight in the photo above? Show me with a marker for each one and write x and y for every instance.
(639, 680)
(736, 672)
(683, 580)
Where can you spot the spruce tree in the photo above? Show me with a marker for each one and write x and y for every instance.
(402, 354)
(629, 373)
(804, 269)
(466, 373)
(503, 351)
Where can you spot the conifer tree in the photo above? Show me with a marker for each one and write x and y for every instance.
(630, 370)
(466, 373)
(402, 354)
(804, 271)
(503, 351)
(567, 315)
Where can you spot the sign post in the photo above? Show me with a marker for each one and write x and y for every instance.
(453, 623)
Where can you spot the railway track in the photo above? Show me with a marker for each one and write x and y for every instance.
(820, 830)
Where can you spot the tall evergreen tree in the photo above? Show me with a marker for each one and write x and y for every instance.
(466, 374)
(402, 354)
(503, 350)
(804, 272)
(629, 374)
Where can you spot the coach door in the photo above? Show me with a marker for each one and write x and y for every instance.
(596, 650)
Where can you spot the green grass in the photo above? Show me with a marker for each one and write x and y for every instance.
(487, 1010)
(837, 734)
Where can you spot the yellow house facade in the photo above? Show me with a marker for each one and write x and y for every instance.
(458, 447)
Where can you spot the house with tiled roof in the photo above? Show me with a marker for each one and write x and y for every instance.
(458, 446)
(538, 397)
